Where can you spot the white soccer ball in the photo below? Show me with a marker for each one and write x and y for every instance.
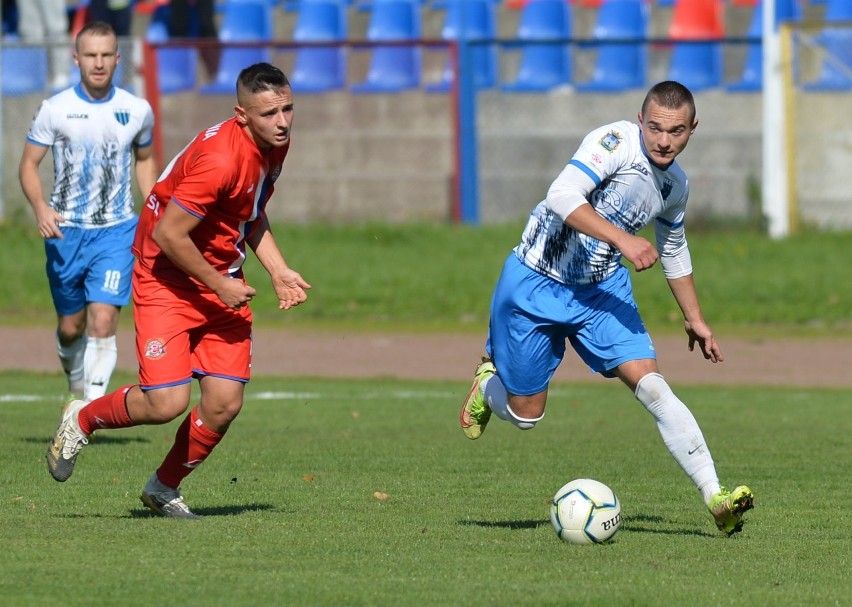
(585, 511)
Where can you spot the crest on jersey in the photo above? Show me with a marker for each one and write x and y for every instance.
(611, 141)
(155, 348)
(123, 116)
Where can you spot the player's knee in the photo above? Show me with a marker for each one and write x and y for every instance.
(68, 333)
(524, 423)
(652, 388)
(160, 406)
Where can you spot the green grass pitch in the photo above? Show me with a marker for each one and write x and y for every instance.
(292, 517)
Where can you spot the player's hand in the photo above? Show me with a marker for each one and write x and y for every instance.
(234, 293)
(701, 334)
(290, 288)
(48, 222)
(638, 251)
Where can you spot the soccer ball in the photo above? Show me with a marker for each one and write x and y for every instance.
(585, 511)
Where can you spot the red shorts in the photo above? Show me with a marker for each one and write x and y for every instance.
(184, 333)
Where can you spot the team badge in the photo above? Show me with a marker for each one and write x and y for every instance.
(123, 116)
(155, 348)
(610, 141)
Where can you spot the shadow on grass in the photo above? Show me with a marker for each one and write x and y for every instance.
(529, 524)
(99, 439)
(634, 524)
(203, 512)
(638, 523)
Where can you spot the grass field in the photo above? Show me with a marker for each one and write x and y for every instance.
(438, 276)
(291, 515)
(289, 499)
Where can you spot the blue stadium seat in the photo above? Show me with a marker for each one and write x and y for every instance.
(478, 19)
(543, 66)
(696, 65)
(836, 72)
(176, 67)
(393, 68)
(838, 10)
(242, 21)
(752, 77)
(320, 69)
(619, 66)
(24, 68)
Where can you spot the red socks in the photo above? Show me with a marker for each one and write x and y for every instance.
(193, 443)
(193, 440)
(108, 411)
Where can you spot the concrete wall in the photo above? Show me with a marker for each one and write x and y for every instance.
(391, 157)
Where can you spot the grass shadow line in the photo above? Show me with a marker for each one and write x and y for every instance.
(514, 525)
(204, 512)
(99, 439)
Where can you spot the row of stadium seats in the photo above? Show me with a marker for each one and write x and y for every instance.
(620, 64)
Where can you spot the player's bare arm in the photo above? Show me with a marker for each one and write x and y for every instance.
(290, 287)
(696, 327)
(146, 169)
(172, 236)
(47, 220)
(637, 250)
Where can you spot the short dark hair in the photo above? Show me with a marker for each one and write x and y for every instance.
(261, 77)
(95, 28)
(672, 95)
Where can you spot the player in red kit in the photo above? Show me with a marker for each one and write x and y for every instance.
(191, 301)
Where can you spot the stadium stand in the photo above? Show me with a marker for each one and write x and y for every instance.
(836, 72)
(24, 68)
(176, 67)
(698, 65)
(478, 20)
(543, 66)
(752, 76)
(320, 69)
(242, 21)
(393, 68)
(619, 66)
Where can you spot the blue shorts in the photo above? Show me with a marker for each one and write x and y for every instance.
(532, 316)
(90, 266)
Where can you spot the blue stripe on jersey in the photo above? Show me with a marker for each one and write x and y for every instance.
(587, 171)
(665, 222)
(193, 213)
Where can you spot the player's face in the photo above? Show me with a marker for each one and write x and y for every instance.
(268, 116)
(97, 57)
(665, 132)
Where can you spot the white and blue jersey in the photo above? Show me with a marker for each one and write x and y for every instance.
(561, 285)
(628, 190)
(93, 143)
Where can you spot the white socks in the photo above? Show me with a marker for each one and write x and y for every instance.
(99, 363)
(497, 400)
(71, 358)
(680, 433)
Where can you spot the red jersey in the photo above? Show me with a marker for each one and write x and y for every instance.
(222, 178)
